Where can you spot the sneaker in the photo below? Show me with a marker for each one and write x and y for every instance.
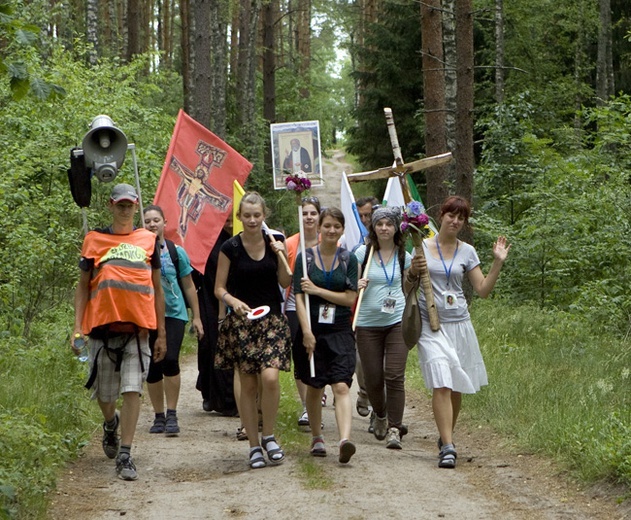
(171, 428)
(393, 439)
(362, 405)
(303, 420)
(125, 467)
(111, 440)
(379, 426)
(159, 425)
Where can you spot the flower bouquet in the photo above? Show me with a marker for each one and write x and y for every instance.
(415, 224)
(297, 183)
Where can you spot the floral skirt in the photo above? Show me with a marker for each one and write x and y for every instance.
(252, 345)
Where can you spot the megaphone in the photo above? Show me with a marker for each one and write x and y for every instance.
(104, 148)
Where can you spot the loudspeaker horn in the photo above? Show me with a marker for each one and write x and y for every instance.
(104, 147)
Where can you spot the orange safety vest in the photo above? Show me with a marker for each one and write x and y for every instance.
(121, 286)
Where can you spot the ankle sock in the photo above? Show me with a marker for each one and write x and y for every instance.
(270, 444)
(160, 415)
(171, 412)
(124, 449)
(111, 425)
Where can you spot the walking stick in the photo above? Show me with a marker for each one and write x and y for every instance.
(303, 251)
(363, 289)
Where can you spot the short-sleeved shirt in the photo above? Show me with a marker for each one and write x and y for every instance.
(464, 261)
(342, 279)
(173, 297)
(385, 282)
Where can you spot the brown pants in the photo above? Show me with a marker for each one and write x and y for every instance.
(384, 356)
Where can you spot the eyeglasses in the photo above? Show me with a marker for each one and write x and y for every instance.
(311, 200)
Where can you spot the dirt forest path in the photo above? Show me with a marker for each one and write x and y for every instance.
(203, 473)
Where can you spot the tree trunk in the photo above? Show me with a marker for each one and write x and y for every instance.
(186, 54)
(134, 13)
(219, 66)
(451, 82)
(605, 87)
(434, 100)
(270, 17)
(499, 51)
(92, 30)
(303, 43)
(201, 102)
(248, 24)
(464, 111)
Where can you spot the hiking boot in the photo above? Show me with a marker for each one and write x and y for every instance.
(379, 426)
(172, 429)
(125, 467)
(393, 439)
(159, 425)
(111, 440)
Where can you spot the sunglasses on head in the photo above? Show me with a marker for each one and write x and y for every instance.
(312, 200)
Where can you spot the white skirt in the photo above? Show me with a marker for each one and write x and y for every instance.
(451, 357)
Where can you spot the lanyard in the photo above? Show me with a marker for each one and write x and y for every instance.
(447, 271)
(383, 266)
(328, 275)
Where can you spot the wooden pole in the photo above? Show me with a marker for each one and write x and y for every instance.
(361, 292)
(303, 251)
(417, 240)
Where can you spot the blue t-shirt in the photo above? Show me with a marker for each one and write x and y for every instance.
(385, 282)
(173, 297)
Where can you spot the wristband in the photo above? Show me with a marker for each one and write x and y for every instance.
(223, 299)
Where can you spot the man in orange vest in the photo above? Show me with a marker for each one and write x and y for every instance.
(118, 299)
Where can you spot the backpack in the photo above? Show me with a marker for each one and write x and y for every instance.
(175, 258)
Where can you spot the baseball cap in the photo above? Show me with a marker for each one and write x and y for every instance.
(123, 192)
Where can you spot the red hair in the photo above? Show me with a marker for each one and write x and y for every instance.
(458, 206)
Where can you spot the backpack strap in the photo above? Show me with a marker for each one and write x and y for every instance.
(175, 258)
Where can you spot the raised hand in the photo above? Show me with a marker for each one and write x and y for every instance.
(501, 248)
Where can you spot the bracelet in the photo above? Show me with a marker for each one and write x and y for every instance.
(223, 299)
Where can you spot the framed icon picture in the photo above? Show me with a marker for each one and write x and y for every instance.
(296, 150)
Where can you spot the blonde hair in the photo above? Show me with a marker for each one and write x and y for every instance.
(254, 197)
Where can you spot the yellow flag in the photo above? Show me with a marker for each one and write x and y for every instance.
(238, 193)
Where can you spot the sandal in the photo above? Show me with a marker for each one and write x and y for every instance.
(257, 460)
(275, 455)
(317, 447)
(347, 450)
(241, 434)
(447, 457)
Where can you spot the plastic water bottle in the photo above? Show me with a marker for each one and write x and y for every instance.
(80, 345)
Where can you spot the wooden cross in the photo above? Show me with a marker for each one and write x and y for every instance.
(400, 170)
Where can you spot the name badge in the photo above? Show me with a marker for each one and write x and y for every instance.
(326, 313)
(388, 305)
(451, 301)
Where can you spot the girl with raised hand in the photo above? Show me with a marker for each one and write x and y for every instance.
(450, 359)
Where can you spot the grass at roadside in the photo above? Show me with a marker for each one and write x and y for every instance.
(558, 387)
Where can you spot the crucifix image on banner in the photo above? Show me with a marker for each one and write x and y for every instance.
(195, 189)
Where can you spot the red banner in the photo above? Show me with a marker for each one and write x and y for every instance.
(195, 188)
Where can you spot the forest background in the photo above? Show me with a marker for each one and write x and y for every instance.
(532, 98)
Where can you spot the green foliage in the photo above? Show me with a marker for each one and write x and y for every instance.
(41, 235)
(37, 434)
(567, 214)
(558, 386)
(389, 77)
